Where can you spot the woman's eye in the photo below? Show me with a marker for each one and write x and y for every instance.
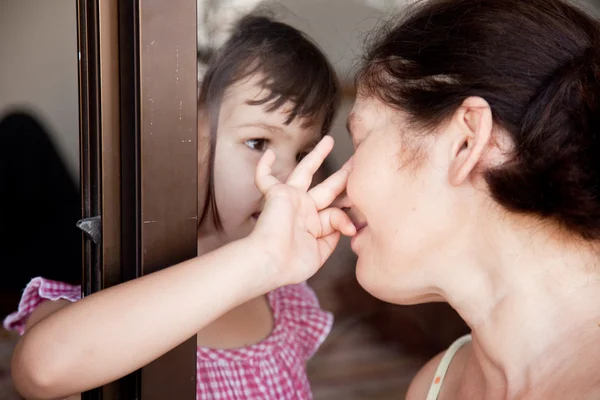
(257, 144)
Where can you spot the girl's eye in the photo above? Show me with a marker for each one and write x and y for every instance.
(257, 144)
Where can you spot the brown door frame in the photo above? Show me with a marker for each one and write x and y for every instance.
(138, 135)
(169, 167)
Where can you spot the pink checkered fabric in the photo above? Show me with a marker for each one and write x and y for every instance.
(273, 369)
(36, 292)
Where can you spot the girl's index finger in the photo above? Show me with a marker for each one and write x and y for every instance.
(263, 178)
(327, 191)
(302, 175)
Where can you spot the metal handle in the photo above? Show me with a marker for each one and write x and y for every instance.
(92, 227)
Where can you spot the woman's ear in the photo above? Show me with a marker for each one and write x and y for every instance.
(472, 124)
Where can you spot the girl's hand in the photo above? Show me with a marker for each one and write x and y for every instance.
(294, 235)
(297, 227)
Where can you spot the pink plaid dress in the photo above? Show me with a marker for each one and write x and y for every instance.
(273, 369)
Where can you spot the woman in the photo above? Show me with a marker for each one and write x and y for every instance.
(477, 180)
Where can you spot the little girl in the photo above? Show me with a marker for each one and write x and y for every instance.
(268, 89)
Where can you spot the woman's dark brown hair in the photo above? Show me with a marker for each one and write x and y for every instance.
(293, 70)
(537, 64)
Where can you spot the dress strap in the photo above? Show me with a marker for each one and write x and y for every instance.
(440, 373)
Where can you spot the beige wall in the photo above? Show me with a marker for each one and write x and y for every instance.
(38, 57)
(340, 28)
(38, 68)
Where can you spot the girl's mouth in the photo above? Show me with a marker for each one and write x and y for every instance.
(256, 215)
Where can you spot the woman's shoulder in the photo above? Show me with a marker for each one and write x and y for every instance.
(419, 387)
(434, 373)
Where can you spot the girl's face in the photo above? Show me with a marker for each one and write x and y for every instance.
(245, 132)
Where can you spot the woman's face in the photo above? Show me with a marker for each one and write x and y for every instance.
(400, 191)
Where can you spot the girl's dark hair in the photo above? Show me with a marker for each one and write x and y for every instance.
(537, 64)
(293, 69)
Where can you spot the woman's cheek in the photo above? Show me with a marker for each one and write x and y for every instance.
(354, 186)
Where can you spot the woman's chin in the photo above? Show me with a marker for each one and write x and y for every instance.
(390, 289)
(368, 279)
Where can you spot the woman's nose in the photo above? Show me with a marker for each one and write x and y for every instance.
(342, 201)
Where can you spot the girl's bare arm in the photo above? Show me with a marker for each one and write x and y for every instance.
(116, 331)
(70, 348)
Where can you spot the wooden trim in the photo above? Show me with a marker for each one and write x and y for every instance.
(110, 142)
(101, 35)
(90, 146)
(89, 139)
(138, 112)
(168, 166)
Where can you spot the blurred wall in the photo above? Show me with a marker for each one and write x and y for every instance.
(38, 68)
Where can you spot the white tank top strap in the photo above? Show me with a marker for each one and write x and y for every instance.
(440, 373)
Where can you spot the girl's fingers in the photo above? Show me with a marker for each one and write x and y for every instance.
(334, 223)
(327, 245)
(335, 220)
(327, 191)
(302, 175)
(262, 177)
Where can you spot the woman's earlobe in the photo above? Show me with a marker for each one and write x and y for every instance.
(474, 125)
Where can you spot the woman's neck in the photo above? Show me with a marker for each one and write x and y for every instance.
(533, 304)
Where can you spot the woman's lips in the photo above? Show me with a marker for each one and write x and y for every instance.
(359, 226)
